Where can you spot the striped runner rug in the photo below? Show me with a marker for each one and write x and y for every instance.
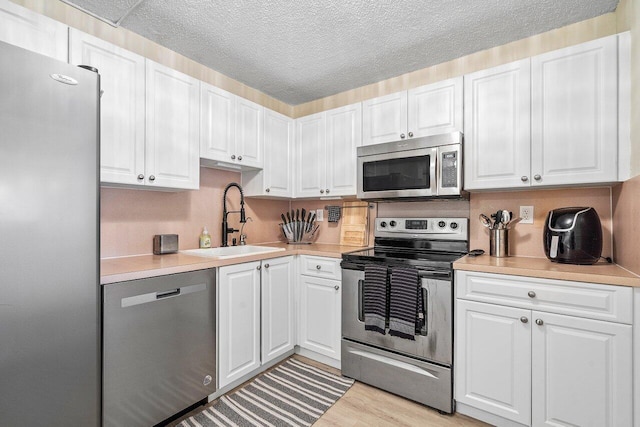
(291, 394)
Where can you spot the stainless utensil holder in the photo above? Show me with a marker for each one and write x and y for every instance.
(499, 242)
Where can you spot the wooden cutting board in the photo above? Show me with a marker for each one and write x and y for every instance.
(353, 227)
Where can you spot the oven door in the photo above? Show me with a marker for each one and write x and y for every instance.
(434, 343)
(409, 173)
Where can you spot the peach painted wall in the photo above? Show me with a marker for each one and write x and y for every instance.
(526, 239)
(130, 218)
(626, 231)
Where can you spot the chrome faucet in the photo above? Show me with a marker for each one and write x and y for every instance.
(226, 230)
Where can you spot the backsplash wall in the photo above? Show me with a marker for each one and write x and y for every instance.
(130, 218)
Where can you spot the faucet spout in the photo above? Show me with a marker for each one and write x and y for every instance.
(226, 230)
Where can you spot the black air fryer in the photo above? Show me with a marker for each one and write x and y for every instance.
(573, 236)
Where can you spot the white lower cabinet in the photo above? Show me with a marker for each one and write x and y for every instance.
(255, 316)
(320, 310)
(520, 365)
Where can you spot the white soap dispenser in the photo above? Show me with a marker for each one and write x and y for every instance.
(205, 238)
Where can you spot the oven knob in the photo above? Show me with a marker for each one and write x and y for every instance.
(442, 224)
(453, 225)
(383, 224)
(392, 223)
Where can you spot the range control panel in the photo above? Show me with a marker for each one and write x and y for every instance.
(438, 228)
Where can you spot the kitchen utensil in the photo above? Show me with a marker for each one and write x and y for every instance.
(476, 252)
(312, 219)
(304, 214)
(486, 221)
(288, 218)
(506, 217)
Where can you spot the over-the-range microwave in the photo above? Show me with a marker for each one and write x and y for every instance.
(417, 168)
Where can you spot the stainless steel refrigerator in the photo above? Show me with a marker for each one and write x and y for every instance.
(50, 367)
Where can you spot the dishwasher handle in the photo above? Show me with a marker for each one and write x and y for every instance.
(172, 293)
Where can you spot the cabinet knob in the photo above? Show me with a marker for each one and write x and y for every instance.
(258, 268)
(140, 177)
(524, 178)
(537, 177)
(524, 319)
(336, 287)
(531, 294)
(239, 157)
(233, 157)
(267, 190)
(318, 267)
(152, 178)
(266, 266)
(402, 136)
(539, 322)
(321, 191)
(410, 134)
(327, 191)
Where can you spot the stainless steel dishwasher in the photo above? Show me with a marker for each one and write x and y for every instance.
(159, 347)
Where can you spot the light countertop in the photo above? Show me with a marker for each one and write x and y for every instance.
(609, 274)
(113, 270)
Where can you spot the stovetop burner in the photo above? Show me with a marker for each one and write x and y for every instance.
(425, 243)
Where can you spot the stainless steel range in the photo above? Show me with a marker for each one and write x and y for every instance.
(418, 364)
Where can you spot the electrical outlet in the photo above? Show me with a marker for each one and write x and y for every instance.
(526, 213)
(320, 215)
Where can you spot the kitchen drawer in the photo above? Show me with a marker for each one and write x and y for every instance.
(593, 301)
(316, 266)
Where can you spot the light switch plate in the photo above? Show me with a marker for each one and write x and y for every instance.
(320, 215)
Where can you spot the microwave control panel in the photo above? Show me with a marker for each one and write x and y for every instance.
(449, 169)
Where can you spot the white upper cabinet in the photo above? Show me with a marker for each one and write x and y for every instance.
(497, 134)
(435, 108)
(426, 110)
(122, 110)
(343, 136)
(276, 178)
(310, 155)
(29, 30)
(326, 152)
(574, 117)
(217, 123)
(231, 130)
(384, 119)
(550, 120)
(172, 134)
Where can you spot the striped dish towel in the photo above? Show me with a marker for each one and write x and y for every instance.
(405, 303)
(375, 297)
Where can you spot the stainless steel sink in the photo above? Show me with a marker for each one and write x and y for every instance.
(231, 251)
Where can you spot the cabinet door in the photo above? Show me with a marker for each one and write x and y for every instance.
(239, 321)
(344, 135)
(172, 156)
(575, 114)
(581, 371)
(384, 119)
(493, 359)
(310, 156)
(277, 307)
(497, 146)
(249, 133)
(217, 123)
(278, 149)
(29, 30)
(435, 108)
(320, 315)
(121, 106)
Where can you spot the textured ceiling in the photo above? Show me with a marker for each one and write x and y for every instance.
(299, 51)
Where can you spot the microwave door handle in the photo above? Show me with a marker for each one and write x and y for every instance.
(435, 172)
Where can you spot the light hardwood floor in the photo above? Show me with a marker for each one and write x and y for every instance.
(366, 406)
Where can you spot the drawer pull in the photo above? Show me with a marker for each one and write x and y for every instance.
(318, 267)
(524, 319)
(539, 322)
(531, 294)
